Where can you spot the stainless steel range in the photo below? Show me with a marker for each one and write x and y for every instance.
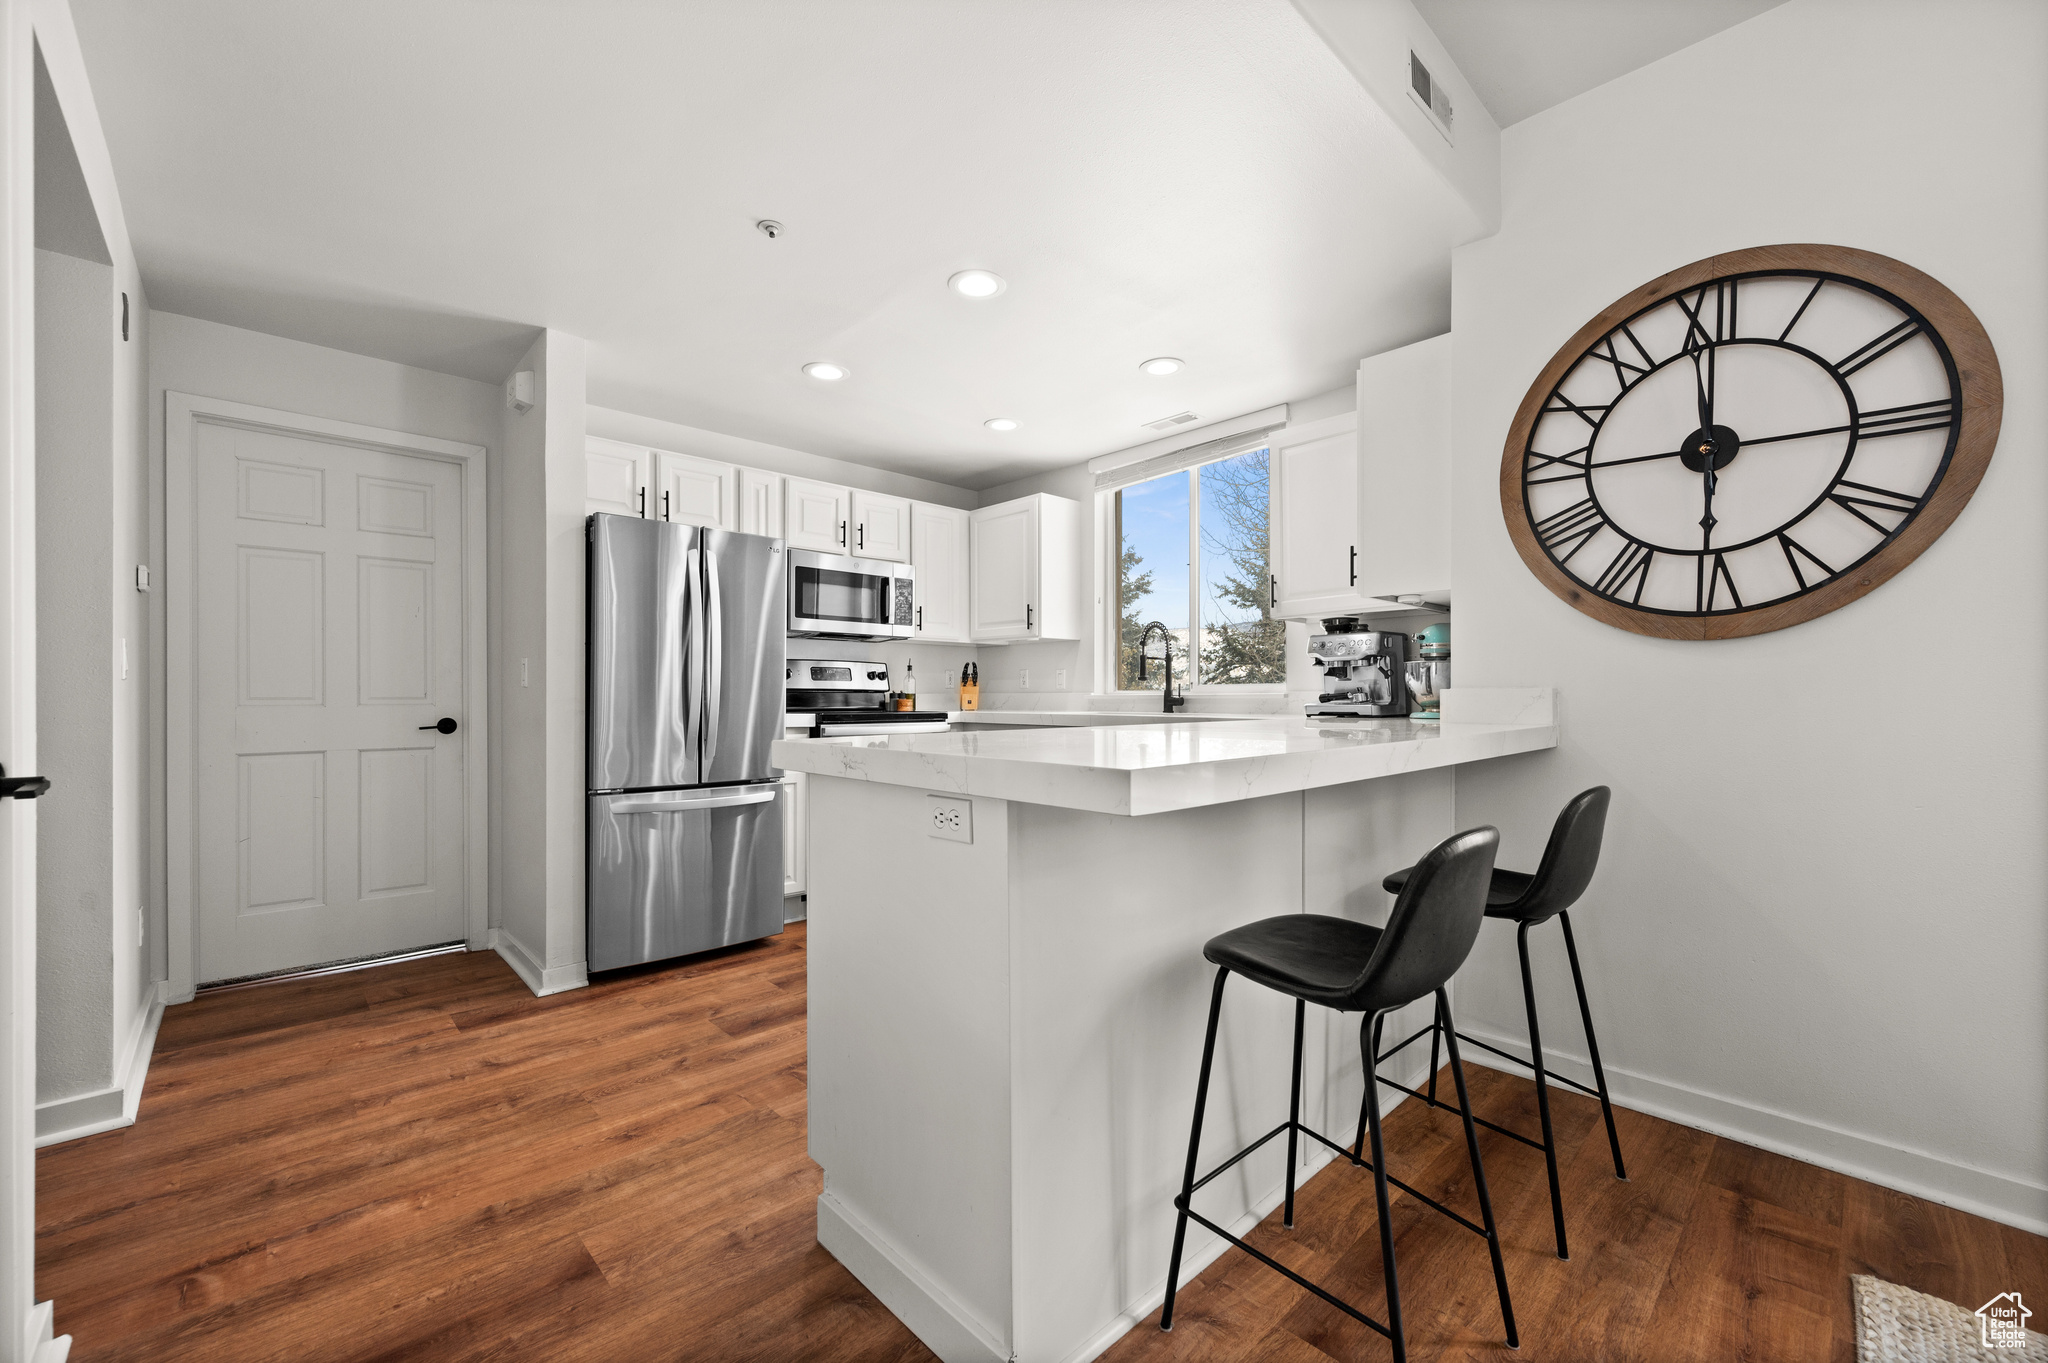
(849, 698)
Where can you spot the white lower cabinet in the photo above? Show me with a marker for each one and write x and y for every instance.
(1024, 570)
(796, 833)
(939, 537)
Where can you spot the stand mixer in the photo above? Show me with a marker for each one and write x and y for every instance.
(1363, 670)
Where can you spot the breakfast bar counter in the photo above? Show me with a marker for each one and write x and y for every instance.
(1007, 1003)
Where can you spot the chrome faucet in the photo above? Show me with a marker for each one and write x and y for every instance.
(1168, 701)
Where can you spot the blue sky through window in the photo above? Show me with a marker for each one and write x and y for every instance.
(1155, 523)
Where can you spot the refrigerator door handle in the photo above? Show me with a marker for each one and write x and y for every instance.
(693, 662)
(692, 803)
(714, 657)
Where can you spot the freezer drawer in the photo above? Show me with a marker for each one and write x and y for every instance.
(679, 871)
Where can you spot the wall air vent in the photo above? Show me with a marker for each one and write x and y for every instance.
(1433, 99)
(1172, 423)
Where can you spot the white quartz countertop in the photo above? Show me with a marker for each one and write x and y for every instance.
(1114, 766)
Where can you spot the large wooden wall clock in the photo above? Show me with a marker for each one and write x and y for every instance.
(1751, 441)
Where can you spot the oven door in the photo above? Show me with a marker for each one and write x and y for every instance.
(832, 596)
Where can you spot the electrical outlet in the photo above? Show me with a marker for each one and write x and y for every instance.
(952, 817)
(1059, 679)
(1024, 680)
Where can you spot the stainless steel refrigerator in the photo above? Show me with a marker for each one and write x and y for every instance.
(685, 696)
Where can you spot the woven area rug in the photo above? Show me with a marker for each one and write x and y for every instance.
(1898, 1325)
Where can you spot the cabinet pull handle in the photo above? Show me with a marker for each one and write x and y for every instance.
(1354, 565)
(664, 505)
(1274, 599)
(643, 503)
(1027, 615)
(842, 534)
(860, 535)
(920, 617)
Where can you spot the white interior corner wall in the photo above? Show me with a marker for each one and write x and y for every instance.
(97, 1005)
(537, 769)
(207, 359)
(1818, 923)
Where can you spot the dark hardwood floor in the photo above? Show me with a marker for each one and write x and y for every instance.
(423, 1161)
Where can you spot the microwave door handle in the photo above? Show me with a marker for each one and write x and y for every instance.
(714, 657)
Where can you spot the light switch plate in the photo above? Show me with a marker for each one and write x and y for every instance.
(951, 817)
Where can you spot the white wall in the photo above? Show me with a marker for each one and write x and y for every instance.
(187, 355)
(1819, 920)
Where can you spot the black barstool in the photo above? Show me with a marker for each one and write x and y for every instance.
(1562, 876)
(1357, 969)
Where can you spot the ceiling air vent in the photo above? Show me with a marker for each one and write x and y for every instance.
(1172, 423)
(1434, 99)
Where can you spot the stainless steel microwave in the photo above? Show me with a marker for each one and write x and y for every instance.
(832, 596)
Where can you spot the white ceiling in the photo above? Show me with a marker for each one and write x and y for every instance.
(428, 180)
(1523, 56)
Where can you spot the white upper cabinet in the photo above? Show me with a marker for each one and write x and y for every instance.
(938, 557)
(615, 477)
(881, 526)
(814, 516)
(1312, 487)
(1404, 471)
(693, 491)
(1025, 570)
(760, 509)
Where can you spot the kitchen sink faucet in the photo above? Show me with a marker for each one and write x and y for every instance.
(1169, 702)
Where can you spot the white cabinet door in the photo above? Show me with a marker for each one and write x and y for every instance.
(938, 555)
(760, 510)
(615, 478)
(1404, 471)
(1004, 572)
(1314, 498)
(814, 516)
(881, 526)
(796, 840)
(692, 491)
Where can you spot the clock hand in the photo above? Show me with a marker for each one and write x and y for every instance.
(1706, 403)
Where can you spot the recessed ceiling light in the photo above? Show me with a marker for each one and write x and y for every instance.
(822, 369)
(1000, 423)
(1165, 364)
(976, 284)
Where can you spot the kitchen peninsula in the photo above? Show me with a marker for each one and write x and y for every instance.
(1007, 1003)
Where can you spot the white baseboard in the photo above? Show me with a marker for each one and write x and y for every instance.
(38, 1332)
(945, 1326)
(1997, 1197)
(107, 1109)
(542, 980)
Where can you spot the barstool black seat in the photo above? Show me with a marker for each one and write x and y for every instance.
(1561, 878)
(1352, 967)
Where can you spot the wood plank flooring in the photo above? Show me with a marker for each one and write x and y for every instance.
(423, 1161)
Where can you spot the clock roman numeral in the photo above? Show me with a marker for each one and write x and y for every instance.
(1572, 526)
(1715, 577)
(1863, 495)
(1566, 460)
(1631, 564)
(1795, 551)
(1811, 294)
(1583, 413)
(1916, 416)
(1878, 347)
(1696, 335)
(1626, 372)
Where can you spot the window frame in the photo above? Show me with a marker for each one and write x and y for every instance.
(1110, 514)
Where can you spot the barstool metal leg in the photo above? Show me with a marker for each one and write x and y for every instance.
(1187, 1185)
(1436, 1029)
(1571, 949)
(1367, 1039)
(1500, 1272)
(1293, 1115)
(1542, 1090)
(1377, 1030)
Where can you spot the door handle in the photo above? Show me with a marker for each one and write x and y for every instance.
(690, 804)
(714, 656)
(443, 725)
(1354, 565)
(22, 787)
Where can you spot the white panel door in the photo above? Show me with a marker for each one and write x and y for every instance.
(796, 832)
(1004, 574)
(814, 516)
(615, 478)
(881, 526)
(1313, 494)
(693, 491)
(760, 503)
(938, 556)
(330, 638)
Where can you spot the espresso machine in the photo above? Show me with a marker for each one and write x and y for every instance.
(1364, 670)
